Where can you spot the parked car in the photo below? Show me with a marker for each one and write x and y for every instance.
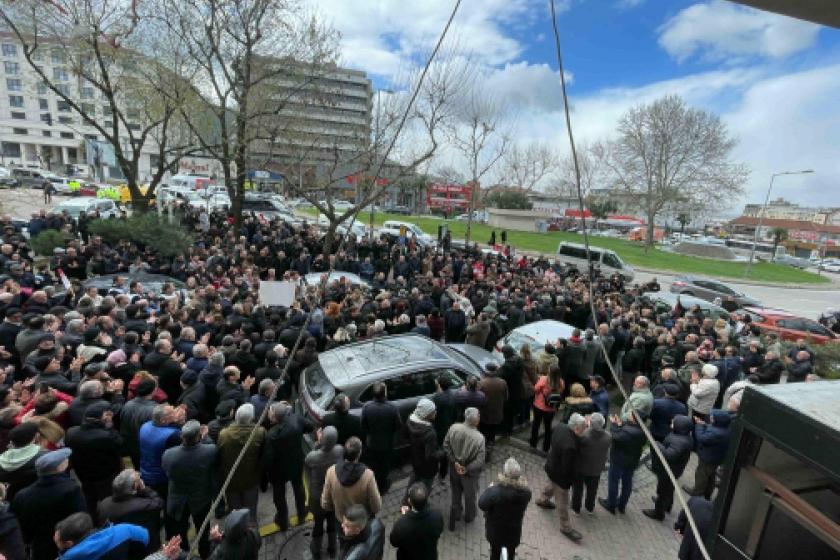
(152, 283)
(33, 178)
(408, 364)
(210, 202)
(535, 335)
(393, 228)
(211, 190)
(789, 260)
(339, 205)
(266, 208)
(6, 179)
(314, 279)
(60, 184)
(399, 209)
(607, 260)
(75, 206)
(709, 289)
(788, 326)
(664, 302)
(478, 216)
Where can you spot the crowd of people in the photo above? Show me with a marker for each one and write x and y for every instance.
(122, 410)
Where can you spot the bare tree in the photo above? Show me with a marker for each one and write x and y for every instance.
(251, 60)
(479, 135)
(107, 68)
(671, 155)
(394, 155)
(526, 166)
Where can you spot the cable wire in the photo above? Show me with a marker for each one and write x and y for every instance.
(639, 420)
(322, 287)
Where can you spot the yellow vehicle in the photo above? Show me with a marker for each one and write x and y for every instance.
(125, 195)
(109, 192)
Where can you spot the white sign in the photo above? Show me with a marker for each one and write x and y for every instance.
(277, 293)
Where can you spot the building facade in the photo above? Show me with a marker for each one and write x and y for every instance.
(39, 129)
(781, 209)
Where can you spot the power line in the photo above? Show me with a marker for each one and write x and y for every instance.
(639, 420)
(324, 280)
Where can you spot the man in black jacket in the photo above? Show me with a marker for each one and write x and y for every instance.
(97, 453)
(455, 323)
(166, 366)
(283, 459)
(425, 451)
(446, 412)
(132, 502)
(416, 533)
(380, 423)
(511, 371)
(193, 396)
(771, 371)
(676, 447)
(347, 425)
(561, 467)
(504, 504)
(54, 496)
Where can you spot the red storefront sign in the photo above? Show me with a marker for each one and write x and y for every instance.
(448, 196)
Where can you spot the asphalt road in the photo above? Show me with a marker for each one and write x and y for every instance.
(808, 302)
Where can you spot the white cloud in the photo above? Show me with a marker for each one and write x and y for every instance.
(718, 30)
(387, 37)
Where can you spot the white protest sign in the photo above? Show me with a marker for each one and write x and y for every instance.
(274, 293)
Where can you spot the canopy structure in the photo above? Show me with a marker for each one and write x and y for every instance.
(825, 12)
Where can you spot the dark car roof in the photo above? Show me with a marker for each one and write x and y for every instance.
(383, 355)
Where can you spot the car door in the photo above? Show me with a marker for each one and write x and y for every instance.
(703, 289)
(790, 328)
(817, 332)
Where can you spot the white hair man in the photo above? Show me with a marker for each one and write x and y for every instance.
(465, 450)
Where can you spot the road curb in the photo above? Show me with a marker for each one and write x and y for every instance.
(831, 286)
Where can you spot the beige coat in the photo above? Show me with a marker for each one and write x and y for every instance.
(337, 498)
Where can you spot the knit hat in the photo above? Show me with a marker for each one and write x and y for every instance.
(23, 434)
(512, 469)
(425, 408)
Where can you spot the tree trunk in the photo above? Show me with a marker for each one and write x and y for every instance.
(650, 228)
(470, 210)
(329, 239)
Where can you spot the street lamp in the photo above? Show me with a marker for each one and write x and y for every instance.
(375, 147)
(764, 210)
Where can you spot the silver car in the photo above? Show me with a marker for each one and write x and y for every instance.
(710, 290)
(535, 335)
(408, 364)
(663, 302)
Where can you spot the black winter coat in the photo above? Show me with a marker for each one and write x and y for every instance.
(283, 450)
(415, 535)
(627, 443)
(142, 509)
(504, 508)
(168, 372)
(380, 423)
(347, 425)
(42, 505)
(11, 539)
(97, 451)
(424, 450)
(560, 466)
(676, 447)
(512, 371)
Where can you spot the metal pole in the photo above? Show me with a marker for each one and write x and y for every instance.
(760, 222)
(763, 211)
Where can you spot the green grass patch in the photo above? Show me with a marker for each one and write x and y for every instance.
(632, 252)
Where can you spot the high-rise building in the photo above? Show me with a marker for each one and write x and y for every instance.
(39, 129)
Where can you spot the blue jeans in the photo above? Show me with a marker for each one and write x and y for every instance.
(615, 475)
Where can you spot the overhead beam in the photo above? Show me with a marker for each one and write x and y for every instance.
(825, 12)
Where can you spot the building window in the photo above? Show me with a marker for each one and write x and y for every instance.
(65, 120)
(109, 124)
(16, 101)
(47, 118)
(10, 149)
(63, 106)
(21, 131)
(14, 84)
(133, 126)
(67, 135)
(9, 49)
(17, 115)
(58, 56)
(86, 92)
(64, 89)
(46, 133)
(11, 67)
(106, 110)
(60, 74)
(43, 104)
(42, 88)
(88, 108)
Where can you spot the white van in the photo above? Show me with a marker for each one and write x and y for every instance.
(607, 260)
(393, 228)
(190, 180)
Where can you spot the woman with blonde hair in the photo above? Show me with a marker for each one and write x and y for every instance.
(578, 401)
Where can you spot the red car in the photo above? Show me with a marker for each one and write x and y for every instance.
(789, 326)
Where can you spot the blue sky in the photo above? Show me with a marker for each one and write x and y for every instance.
(774, 80)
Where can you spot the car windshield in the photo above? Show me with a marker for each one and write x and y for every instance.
(517, 339)
(320, 389)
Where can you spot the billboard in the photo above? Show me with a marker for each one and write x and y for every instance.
(447, 196)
